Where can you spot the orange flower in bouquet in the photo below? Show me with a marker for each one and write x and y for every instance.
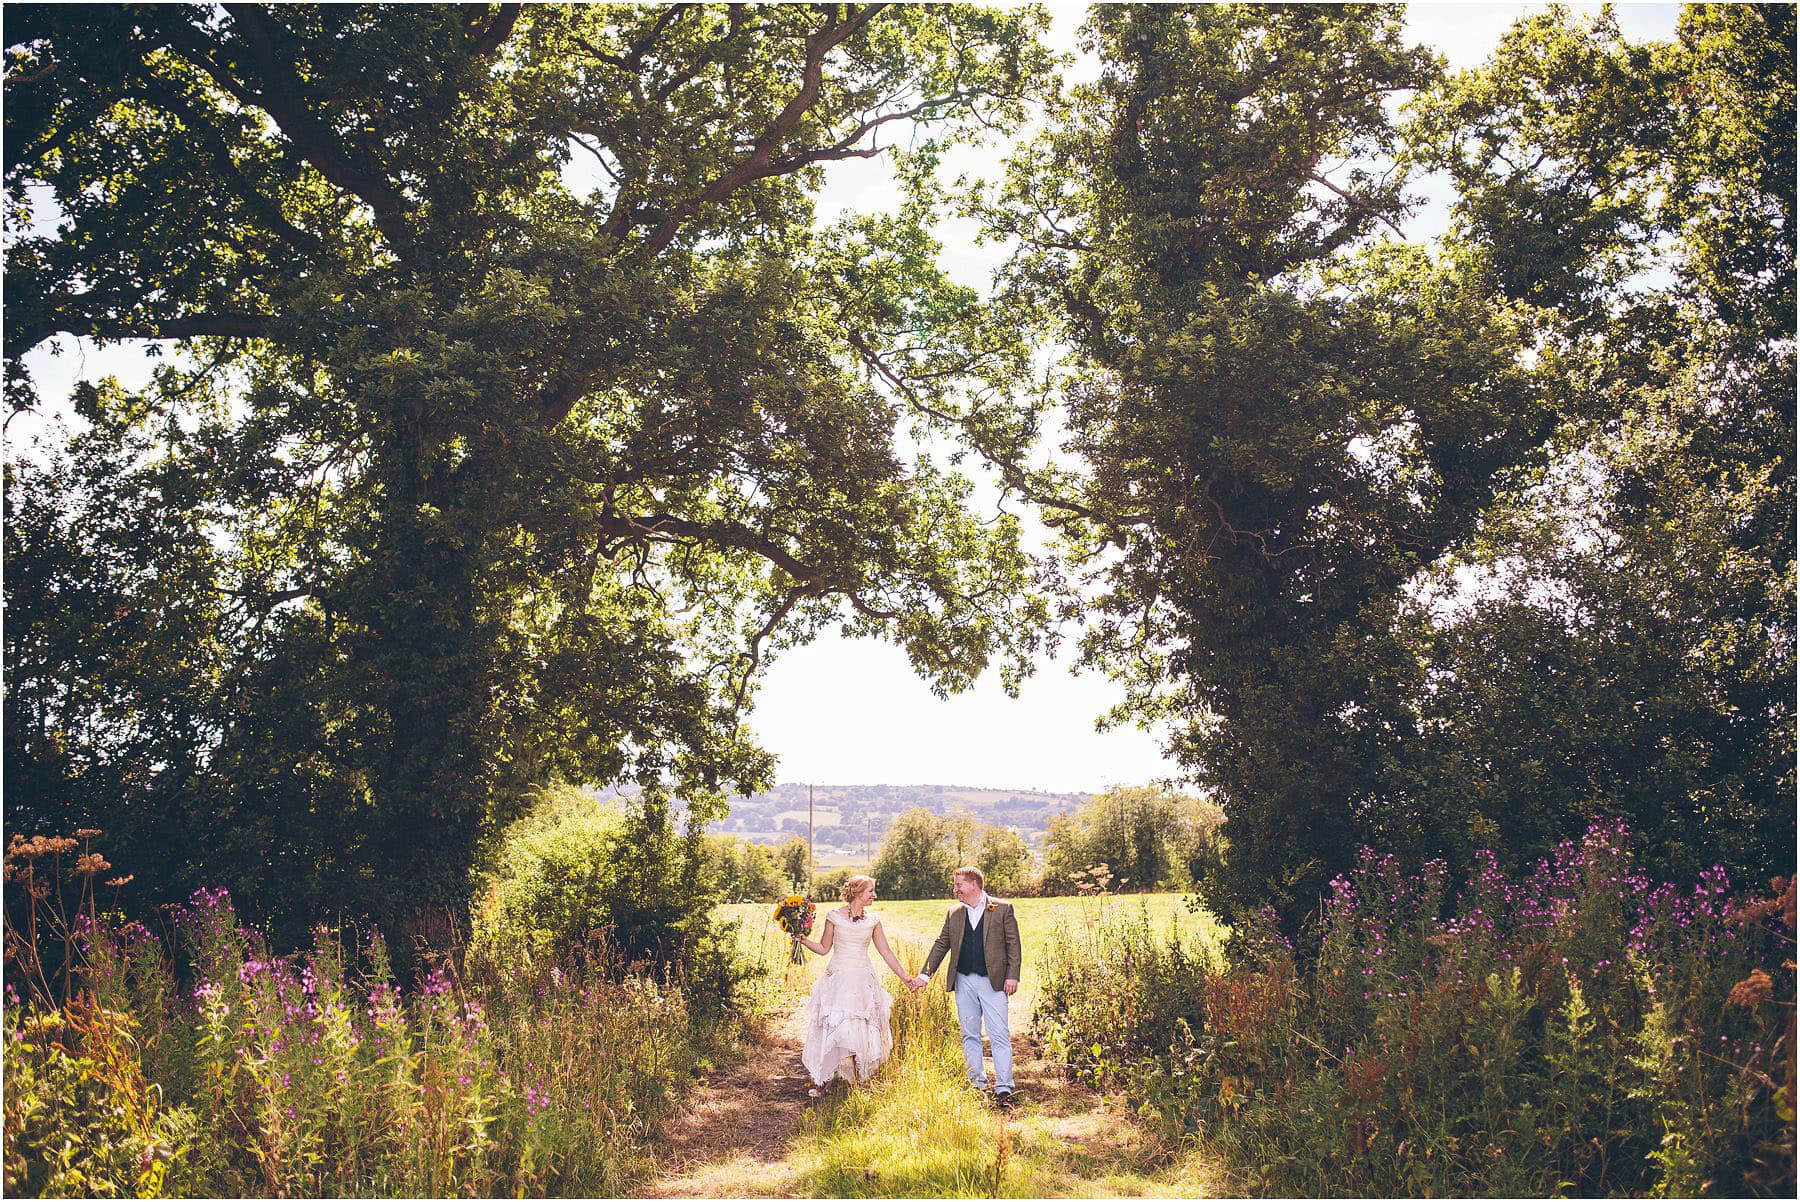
(795, 916)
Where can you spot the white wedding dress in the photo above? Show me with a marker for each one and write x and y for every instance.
(847, 1032)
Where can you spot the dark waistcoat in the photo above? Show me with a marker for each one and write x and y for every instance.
(973, 956)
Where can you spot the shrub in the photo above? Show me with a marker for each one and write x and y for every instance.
(82, 1119)
(917, 856)
(1005, 860)
(1147, 838)
(740, 871)
(312, 1074)
(1119, 1002)
(549, 888)
(575, 873)
(1573, 1031)
(828, 887)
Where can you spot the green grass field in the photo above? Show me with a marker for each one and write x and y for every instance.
(915, 1130)
(913, 925)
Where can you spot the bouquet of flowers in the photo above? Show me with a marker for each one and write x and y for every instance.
(795, 916)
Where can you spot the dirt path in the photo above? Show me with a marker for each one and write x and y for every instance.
(730, 1139)
(733, 1136)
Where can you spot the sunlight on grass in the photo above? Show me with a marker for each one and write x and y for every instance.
(1044, 920)
(918, 1130)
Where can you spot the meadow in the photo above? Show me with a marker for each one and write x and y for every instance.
(1045, 923)
(916, 1130)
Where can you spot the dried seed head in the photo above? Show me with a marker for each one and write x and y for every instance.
(38, 845)
(91, 864)
(1752, 990)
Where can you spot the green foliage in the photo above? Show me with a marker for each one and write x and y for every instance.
(740, 871)
(1576, 1031)
(1005, 861)
(1629, 649)
(576, 873)
(314, 1075)
(1284, 422)
(1143, 837)
(1119, 996)
(554, 879)
(828, 886)
(82, 1119)
(519, 414)
(921, 849)
(915, 859)
(793, 856)
(1430, 548)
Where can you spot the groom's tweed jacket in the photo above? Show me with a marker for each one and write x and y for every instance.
(999, 943)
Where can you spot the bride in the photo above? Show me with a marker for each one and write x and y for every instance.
(847, 1032)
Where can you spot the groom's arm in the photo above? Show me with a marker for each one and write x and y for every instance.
(1015, 948)
(940, 949)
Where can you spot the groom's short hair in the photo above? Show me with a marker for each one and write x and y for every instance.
(972, 873)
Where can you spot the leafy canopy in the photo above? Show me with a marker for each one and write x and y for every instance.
(1429, 547)
(523, 411)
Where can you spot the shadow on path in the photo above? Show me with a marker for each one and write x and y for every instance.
(730, 1138)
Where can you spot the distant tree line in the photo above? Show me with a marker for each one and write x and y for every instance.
(1135, 839)
(1132, 839)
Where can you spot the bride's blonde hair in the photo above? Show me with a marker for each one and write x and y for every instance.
(854, 886)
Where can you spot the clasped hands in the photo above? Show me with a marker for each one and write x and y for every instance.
(919, 982)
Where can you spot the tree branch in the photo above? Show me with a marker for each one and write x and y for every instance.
(1357, 202)
(723, 534)
(1010, 472)
(754, 655)
(281, 99)
(845, 147)
(663, 527)
(22, 336)
(264, 206)
(497, 31)
(758, 164)
(735, 23)
(599, 157)
(42, 73)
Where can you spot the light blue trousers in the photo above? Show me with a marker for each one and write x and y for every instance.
(978, 1003)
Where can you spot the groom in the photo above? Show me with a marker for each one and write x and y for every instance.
(981, 939)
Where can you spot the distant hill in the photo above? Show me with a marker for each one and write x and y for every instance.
(848, 818)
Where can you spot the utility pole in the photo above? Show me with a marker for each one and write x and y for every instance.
(809, 840)
(869, 838)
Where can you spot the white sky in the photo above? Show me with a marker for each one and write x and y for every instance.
(845, 711)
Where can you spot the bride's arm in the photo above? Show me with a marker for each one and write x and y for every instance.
(887, 953)
(823, 946)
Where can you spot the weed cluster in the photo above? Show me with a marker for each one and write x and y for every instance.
(314, 1074)
(1578, 1030)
